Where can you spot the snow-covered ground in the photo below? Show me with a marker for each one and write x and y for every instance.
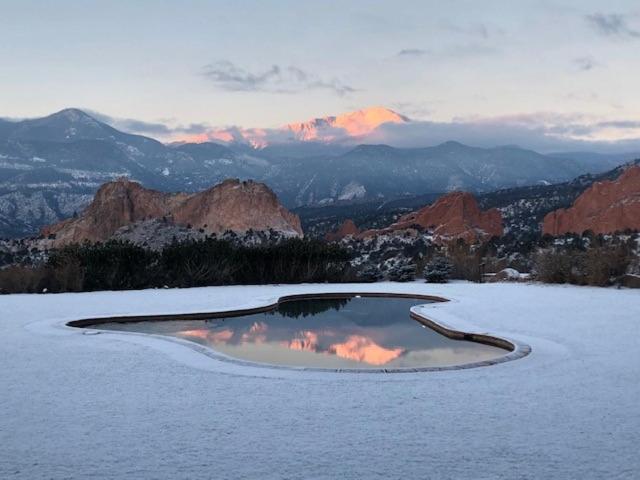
(131, 406)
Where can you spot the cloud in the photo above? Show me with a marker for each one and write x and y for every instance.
(452, 52)
(544, 132)
(276, 79)
(584, 64)
(612, 25)
(411, 52)
(469, 50)
(415, 110)
(620, 124)
(540, 131)
(141, 127)
(478, 30)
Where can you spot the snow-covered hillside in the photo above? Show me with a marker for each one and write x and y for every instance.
(129, 406)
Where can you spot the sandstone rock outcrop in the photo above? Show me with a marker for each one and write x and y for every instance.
(605, 207)
(232, 205)
(347, 228)
(453, 216)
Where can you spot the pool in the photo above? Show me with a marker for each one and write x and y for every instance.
(342, 332)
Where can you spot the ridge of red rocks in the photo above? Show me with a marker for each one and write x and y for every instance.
(605, 207)
(453, 216)
(230, 205)
(348, 227)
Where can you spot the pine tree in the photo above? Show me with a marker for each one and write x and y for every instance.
(438, 270)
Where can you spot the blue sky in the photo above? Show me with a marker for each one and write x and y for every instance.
(568, 67)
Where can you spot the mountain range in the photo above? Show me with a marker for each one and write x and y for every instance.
(523, 209)
(50, 167)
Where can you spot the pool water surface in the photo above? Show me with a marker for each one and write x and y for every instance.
(350, 332)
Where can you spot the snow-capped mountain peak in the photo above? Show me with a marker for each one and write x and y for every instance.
(72, 115)
(352, 125)
(349, 127)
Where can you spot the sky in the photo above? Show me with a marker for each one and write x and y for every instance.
(568, 69)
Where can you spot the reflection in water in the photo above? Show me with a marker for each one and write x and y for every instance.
(327, 333)
(308, 308)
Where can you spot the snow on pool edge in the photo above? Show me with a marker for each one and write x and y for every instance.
(210, 359)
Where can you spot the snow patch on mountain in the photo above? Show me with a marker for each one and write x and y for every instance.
(352, 191)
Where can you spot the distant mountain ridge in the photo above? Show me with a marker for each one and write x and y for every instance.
(523, 208)
(381, 171)
(66, 125)
(50, 167)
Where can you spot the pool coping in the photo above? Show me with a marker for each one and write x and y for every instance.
(516, 349)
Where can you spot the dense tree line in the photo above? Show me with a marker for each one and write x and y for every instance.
(118, 265)
(586, 259)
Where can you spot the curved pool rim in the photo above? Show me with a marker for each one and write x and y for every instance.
(515, 349)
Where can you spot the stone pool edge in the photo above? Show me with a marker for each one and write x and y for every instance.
(516, 349)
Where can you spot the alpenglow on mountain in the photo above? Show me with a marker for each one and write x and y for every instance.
(350, 127)
(51, 167)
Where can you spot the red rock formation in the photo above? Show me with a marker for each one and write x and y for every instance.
(453, 216)
(237, 206)
(115, 204)
(231, 205)
(605, 207)
(347, 228)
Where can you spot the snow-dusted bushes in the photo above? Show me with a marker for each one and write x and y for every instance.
(404, 271)
(438, 270)
(369, 273)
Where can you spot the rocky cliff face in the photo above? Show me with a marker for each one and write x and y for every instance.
(348, 227)
(453, 216)
(237, 206)
(116, 204)
(231, 205)
(605, 207)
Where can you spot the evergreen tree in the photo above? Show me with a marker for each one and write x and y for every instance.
(438, 270)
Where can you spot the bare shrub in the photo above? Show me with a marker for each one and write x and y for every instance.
(599, 266)
(465, 261)
(67, 277)
(552, 266)
(604, 265)
(22, 279)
